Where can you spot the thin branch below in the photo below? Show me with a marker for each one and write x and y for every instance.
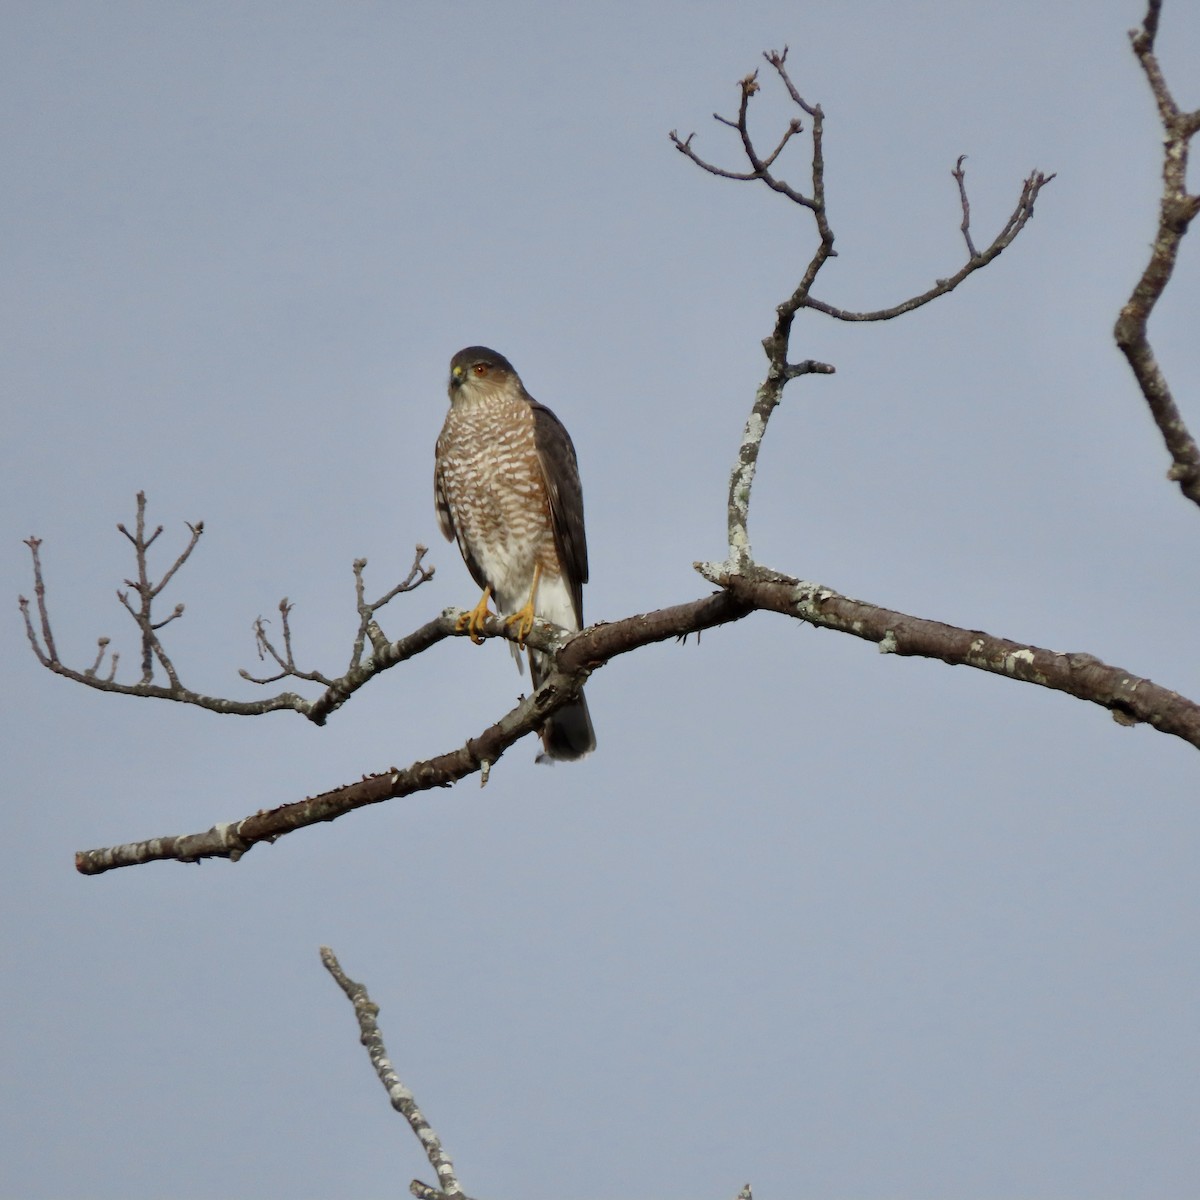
(402, 1099)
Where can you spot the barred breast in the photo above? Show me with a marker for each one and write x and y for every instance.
(493, 485)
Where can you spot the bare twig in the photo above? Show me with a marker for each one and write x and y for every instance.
(47, 655)
(777, 344)
(287, 661)
(780, 371)
(148, 592)
(1177, 208)
(960, 177)
(418, 574)
(402, 1099)
(316, 710)
(1030, 190)
(815, 202)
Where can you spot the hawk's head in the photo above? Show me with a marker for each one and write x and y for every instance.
(477, 372)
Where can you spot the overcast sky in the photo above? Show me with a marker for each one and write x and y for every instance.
(828, 921)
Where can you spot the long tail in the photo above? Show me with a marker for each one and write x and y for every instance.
(567, 734)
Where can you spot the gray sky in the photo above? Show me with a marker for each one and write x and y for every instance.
(828, 921)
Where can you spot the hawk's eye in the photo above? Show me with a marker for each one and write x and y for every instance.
(481, 368)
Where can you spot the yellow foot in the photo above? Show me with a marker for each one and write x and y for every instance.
(474, 621)
(523, 618)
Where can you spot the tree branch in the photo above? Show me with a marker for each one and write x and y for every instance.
(1177, 208)
(777, 343)
(760, 170)
(316, 710)
(579, 655)
(1017, 221)
(402, 1099)
(1130, 698)
(366, 1011)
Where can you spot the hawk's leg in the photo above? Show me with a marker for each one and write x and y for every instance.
(523, 618)
(473, 621)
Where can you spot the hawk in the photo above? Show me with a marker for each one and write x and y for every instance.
(507, 489)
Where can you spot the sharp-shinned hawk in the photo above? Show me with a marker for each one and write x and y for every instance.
(506, 485)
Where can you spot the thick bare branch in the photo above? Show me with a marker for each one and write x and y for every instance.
(366, 1010)
(582, 654)
(1130, 698)
(423, 1191)
(741, 478)
(1177, 208)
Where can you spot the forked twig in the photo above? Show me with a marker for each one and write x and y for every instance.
(1017, 220)
(777, 344)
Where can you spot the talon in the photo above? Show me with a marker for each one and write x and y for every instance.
(523, 618)
(474, 621)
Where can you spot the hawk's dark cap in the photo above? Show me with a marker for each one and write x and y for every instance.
(479, 354)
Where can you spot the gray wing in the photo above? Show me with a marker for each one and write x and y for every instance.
(556, 454)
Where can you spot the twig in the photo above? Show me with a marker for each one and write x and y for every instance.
(402, 1099)
(777, 344)
(1177, 208)
(1030, 190)
(287, 661)
(418, 574)
(960, 177)
(148, 592)
(39, 591)
(47, 654)
(337, 690)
